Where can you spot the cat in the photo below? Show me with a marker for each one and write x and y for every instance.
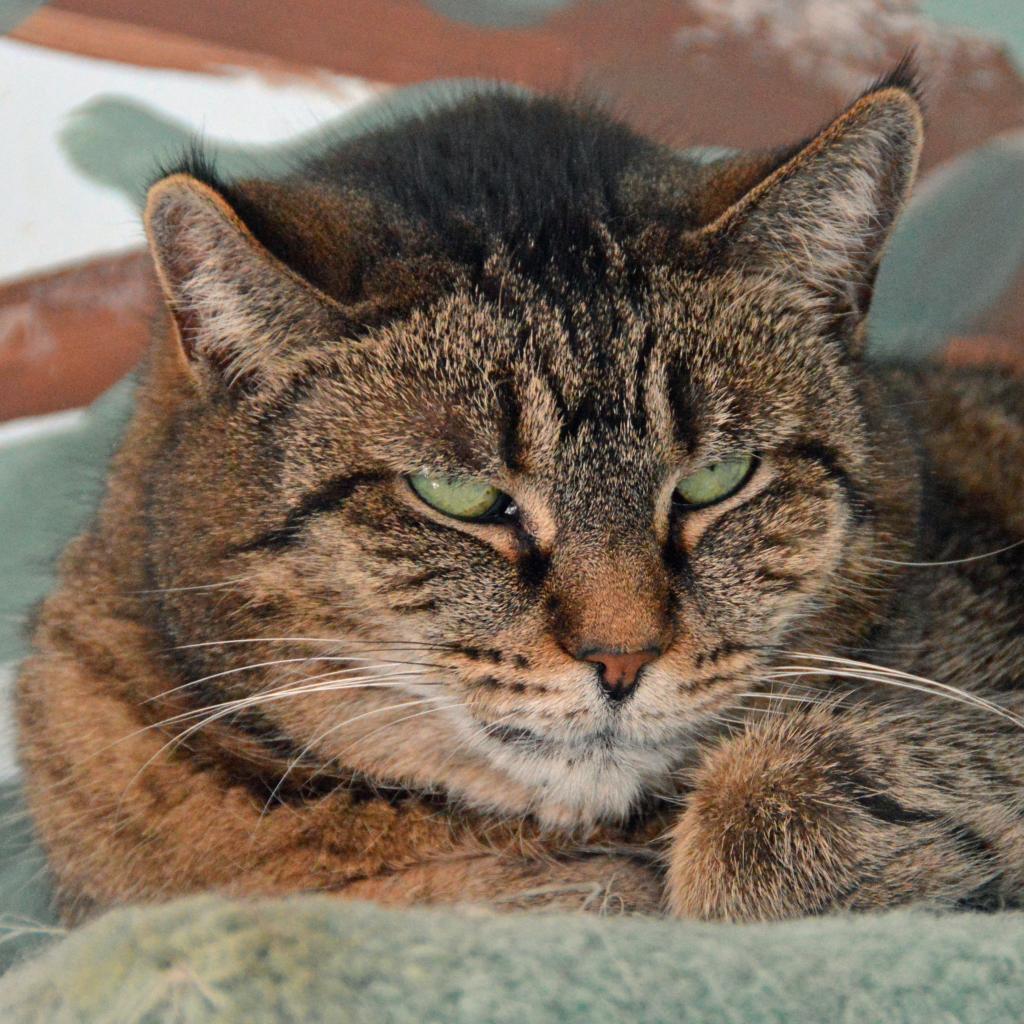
(510, 514)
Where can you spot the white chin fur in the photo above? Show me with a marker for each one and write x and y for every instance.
(581, 787)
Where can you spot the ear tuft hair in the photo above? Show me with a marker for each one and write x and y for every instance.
(195, 162)
(906, 76)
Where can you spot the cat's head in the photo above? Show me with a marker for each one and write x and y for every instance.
(556, 431)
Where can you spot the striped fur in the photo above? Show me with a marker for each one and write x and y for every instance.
(271, 667)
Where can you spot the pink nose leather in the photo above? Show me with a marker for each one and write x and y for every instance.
(620, 669)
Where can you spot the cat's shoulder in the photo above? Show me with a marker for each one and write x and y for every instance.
(970, 426)
(960, 397)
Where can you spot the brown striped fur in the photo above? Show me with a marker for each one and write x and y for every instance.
(520, 291)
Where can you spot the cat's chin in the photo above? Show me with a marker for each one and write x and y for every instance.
(576, 785)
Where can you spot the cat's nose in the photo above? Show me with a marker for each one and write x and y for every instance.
(620, 670)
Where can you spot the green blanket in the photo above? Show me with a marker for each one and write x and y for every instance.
(51, 474)
(313, 959)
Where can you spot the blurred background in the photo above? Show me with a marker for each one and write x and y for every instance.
(94, 94)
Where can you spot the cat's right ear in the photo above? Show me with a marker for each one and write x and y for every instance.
(241, 314)
(820, 220)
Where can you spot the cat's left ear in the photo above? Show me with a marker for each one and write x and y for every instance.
(820, 220)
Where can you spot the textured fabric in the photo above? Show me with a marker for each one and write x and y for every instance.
(318, 959)
(51, 475)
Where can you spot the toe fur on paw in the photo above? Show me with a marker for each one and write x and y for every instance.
(768, 832)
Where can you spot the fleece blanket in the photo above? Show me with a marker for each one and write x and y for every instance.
(317, 959)
(314, 959)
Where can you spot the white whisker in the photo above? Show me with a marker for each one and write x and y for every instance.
(951, 561)
(208, 715)
(794, 698)
(849, 668)
(315, 640)
(294, 763)
(361, 666)
(328, 684)
(199, 586)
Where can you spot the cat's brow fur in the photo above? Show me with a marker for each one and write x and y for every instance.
(270, 667)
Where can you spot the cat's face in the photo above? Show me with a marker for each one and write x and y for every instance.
(590, 436)
(582, 525)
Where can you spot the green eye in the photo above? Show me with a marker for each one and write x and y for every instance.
(463, 499)
(715, 482)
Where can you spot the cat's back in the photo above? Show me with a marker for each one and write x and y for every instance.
(970, 423)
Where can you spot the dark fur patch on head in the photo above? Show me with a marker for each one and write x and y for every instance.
(523, 174)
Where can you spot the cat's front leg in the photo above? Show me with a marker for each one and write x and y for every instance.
(816, 811)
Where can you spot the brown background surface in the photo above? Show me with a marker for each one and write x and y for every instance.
(680, 69)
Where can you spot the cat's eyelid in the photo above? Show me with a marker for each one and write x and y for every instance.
(744, 468)
(714, 457)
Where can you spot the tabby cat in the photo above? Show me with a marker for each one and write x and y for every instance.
(509, 514)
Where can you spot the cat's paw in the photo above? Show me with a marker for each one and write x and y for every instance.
(766, 834)
(795, 817)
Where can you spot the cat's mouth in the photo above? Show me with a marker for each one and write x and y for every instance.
(516, 736)
(527, 741)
